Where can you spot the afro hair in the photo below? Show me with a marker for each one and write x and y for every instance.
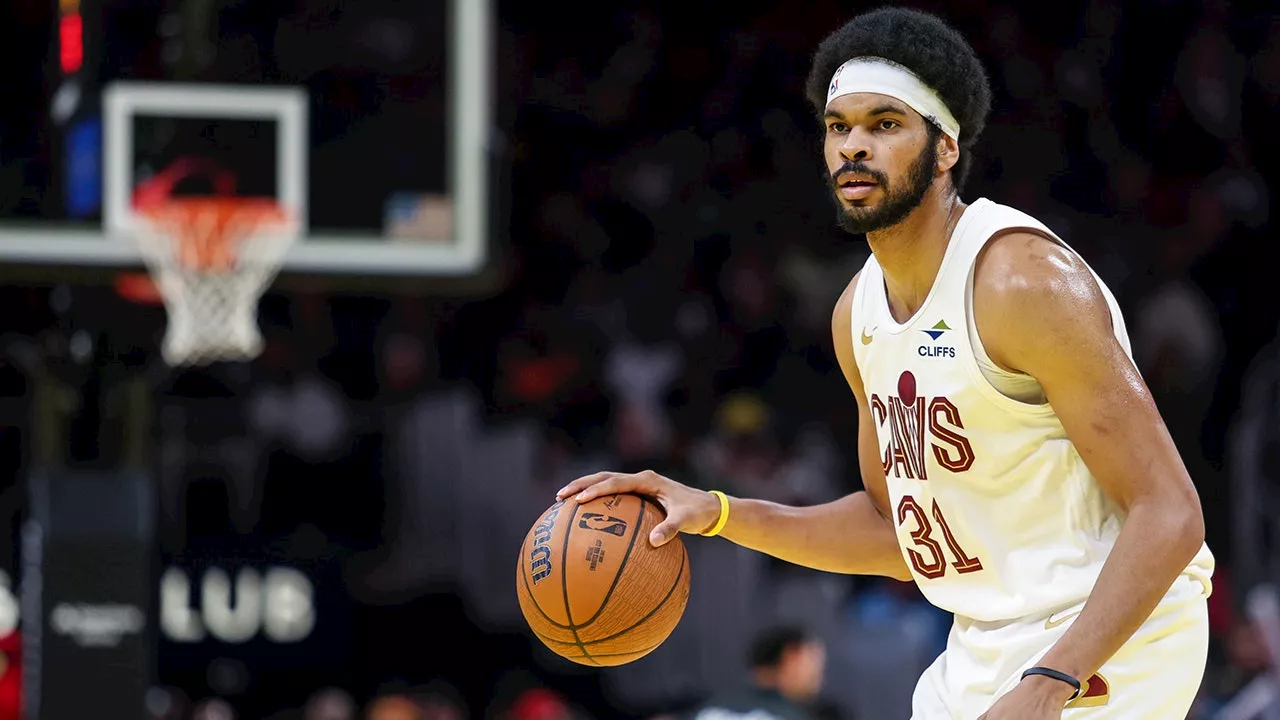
(927, 46)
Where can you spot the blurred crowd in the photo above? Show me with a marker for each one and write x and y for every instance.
(786, 667)
(670, 259)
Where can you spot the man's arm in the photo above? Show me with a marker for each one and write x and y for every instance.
(1040, 312)
(852, 535)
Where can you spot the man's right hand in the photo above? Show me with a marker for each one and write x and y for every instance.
(688, 510)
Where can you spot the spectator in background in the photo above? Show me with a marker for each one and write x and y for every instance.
(213, 709)
(441, 707)
(539, 704)
(394, 707)
(639, 372)
(330, 704)
(167, 703)
(1254, 460)
(11, 676)
(787, 665)
(436, 701)
(742, 447)
(439, 700)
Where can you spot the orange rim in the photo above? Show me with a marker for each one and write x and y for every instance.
(138, 287)
(209, 230)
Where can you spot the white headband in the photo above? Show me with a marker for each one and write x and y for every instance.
(884, 77)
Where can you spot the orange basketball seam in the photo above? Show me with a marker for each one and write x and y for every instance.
(671, 591)
(564, 583)
(621, 566)
(549, 639)
(642, 652)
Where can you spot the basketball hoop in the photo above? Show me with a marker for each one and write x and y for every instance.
(212, 258)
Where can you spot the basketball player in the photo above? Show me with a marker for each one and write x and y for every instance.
(1015, 466)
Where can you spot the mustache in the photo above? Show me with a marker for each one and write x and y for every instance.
(861, 169)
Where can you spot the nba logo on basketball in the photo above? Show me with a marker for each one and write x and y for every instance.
(601, 523)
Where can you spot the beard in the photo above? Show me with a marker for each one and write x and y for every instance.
(897, 203)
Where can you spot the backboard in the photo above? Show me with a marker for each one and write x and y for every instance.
(368, 119)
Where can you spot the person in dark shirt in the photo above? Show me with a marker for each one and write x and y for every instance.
(787, 665)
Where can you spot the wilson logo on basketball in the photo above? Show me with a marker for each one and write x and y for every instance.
(540, 554)
(602, 523)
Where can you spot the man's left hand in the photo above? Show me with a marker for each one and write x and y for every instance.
(1035, 698)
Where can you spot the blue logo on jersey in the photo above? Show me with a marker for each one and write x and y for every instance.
(934, 333)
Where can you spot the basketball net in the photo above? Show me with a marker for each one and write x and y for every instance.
(212, 258)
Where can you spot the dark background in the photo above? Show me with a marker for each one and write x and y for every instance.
(668, 263)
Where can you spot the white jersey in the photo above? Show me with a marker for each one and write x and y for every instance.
(996, 514)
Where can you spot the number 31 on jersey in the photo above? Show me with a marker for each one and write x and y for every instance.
(927, 556)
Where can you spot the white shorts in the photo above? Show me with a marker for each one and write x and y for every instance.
(1156, 674)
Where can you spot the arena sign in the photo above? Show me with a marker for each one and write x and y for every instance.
(275, 603)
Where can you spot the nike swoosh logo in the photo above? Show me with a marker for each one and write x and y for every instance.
(866, 339)
(1052, 623)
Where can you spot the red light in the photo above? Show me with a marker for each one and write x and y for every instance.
(71, 32)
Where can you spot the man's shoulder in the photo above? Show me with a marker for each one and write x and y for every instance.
(1032, 293)
(1024, 264)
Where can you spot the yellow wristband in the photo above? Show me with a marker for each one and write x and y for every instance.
(724, 515)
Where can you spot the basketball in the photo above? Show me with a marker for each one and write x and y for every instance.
(592, 587)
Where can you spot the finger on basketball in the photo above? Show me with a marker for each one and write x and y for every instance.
(616, 483)
(667, 529)
(581, 484)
